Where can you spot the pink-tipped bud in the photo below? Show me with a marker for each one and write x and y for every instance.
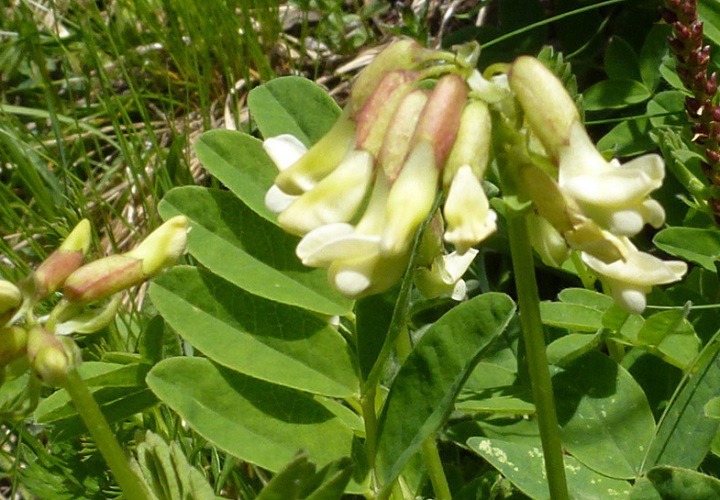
(48, 357)
(52, 273)
(396, 144)
(549, 109)
(401, 54)
(10, 300)
(104, 277)
(374, 118)
(13, 344)
(440, 119)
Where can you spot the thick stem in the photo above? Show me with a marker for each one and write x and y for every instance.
(99, 429)
(529, 307)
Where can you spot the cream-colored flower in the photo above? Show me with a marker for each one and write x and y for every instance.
(615, 195)
(632, 278)
(467, 211)
(444, 277)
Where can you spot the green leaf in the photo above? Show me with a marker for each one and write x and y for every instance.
(570, 347)
(266, 340)
(627, 138)
(256, 421)
(678, 484)
(709, 14)
(523, 464)
(667, 109)
(701, 246)
(119, 390)
(621, 62)
(298, 479)
(672, 335)
(712, 408)
(614, 94)
(237, 245)
(588, 298)
(293, 105)
(574, 317)
(605, 417)
(424, 391)
(685, 433)
(241, 164)
(167, 473)
(652, 53)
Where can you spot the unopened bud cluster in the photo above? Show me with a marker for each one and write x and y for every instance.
(25, 338)
(358, 196)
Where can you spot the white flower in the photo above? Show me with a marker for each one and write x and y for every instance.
(284, 150)
(467, 211)
(632, 278)
(614, 195)
(444, 277)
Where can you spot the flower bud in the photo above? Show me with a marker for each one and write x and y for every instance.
(374, 118)
(53, 271)
(104, 277)
(547, 241)
(10, 300)
(401, 54)
(396, 144)
(13, 343)
(549, 109)
(163, 247)
(47, 355)
(472, 144)
(440, 119)
(367, 275)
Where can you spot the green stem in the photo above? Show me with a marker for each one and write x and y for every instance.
(430, 453)
(529, 307)
(99, 429)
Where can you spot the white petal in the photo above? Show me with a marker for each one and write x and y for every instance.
(459, 290)
(335, 199)
(467, 211)
(579, 157)
(278, 200)
(490, 91)
(410, 199)
(625, 222)
(633, 300)
(284, 150)
(454, 265)
(610, 188)
(653, 213)
(332, 242)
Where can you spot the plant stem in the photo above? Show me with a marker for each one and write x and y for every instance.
(99, 429)
(529, 307)
(430, 453)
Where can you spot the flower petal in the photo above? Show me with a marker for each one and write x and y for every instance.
(467, 211)
(321, 246)
(278, 200)
(284, 150)
(335, 199)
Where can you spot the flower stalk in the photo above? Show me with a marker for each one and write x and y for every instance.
(104, 438)
(529, 307)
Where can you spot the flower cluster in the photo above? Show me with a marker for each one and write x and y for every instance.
(591, 205)
(358, 196)
(26, 339)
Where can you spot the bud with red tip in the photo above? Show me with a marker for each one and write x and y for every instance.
(104, 277)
